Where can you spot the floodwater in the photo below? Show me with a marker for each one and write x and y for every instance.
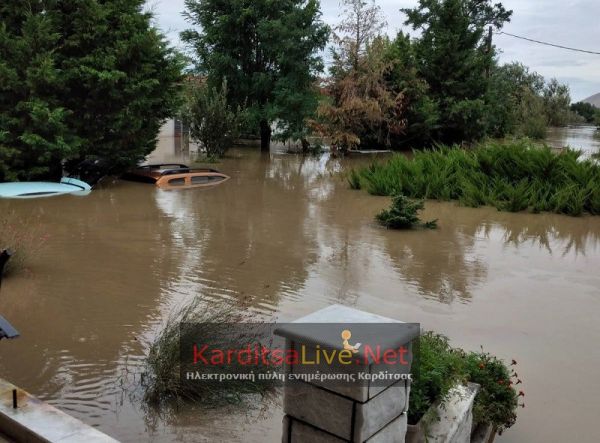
(286, 236)
(585, 138)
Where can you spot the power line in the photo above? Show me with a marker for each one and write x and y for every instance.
(548, 44)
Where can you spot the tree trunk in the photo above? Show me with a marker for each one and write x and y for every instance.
(305, 145)
(265, 136)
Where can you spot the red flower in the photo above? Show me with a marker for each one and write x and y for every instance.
(521, 394)
(514, 362)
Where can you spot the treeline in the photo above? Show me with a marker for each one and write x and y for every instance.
(83, 79)
(588, 113)
(445, 85)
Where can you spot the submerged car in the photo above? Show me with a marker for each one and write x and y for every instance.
(67, 185)
(176, 176)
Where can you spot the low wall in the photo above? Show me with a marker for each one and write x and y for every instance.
(34, 421)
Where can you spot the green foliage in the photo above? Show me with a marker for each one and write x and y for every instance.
(514, 102)
(532, 117)
(513, 176)
(80, 79)
(497, 400)
(557, 100)
(421, 111)
(452, 56)
(212, 122)
(354, 179)
(403, 214)
(586, 110)
(440, 367)
(267, 51)
(361, 109)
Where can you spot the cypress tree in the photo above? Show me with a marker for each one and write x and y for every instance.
(80, 79)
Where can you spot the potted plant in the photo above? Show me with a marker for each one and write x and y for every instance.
(440, 367)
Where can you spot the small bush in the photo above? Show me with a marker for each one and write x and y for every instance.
(497, 399)
(213, 123)
(403, 214)
(440, 368)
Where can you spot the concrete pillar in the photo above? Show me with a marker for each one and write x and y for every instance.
(324, 411)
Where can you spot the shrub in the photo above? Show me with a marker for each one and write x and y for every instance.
(403, 214)
(497, 399)
(161, 377)
(513, 176)
(440, 367)
(213, 123)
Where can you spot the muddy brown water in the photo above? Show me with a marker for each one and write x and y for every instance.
(286, 236)
(585, 138)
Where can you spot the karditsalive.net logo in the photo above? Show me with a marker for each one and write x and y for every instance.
(338, 354)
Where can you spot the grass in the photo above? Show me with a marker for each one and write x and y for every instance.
(441, 367)
(162, 383)
(514, 176)
(403, 214)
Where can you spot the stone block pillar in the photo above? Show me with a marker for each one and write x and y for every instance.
(358, 411)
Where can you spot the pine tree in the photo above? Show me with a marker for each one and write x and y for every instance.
(454, 57)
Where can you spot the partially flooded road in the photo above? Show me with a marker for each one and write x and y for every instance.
(286, 236)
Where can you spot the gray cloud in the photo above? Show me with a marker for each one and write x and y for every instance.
(573, 23)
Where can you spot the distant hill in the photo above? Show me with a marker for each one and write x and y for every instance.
(594, 100)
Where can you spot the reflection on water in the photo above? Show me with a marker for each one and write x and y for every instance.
(585, 138)
(284, 237)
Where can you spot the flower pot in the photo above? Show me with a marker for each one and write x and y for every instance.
(452, 421)
(483, 433)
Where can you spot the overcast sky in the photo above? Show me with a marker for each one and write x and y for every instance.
(573, 23)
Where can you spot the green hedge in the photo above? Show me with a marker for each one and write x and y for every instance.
(512, 177)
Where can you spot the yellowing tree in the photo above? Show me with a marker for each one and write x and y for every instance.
(360, 107)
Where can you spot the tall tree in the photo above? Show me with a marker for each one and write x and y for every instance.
(454, 57)
(422, 115)
(34, 136)
(514, 102)
(362, 22)
(267, 50)
(360, 108)
(80, 78)
(557, 102)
